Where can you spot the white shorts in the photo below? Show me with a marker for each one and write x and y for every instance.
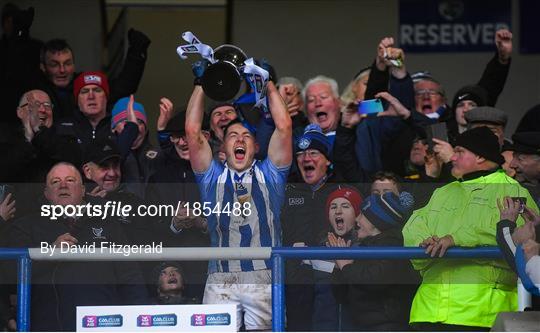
(250, 290)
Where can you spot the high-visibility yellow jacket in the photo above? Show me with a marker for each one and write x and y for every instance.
(466, 292)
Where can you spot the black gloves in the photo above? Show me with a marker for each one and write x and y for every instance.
(138, 40)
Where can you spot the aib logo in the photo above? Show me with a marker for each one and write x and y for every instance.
(144, 321)
(89, 321)
(198, 320)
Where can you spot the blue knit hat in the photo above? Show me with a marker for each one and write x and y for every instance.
(387, 210)
(119, 112)
(314, 138)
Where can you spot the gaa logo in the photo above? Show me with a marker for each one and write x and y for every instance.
(304, 143)
(92, 79)
(451, 10)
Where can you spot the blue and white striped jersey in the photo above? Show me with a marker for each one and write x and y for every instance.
(262, 189)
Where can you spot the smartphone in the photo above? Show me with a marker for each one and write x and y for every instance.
(370, 106)
(4, 191)
(522, 202)
(436, 131)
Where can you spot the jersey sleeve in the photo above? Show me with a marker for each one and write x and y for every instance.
(207, 180)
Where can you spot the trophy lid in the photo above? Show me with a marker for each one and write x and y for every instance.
(230, 53)
(221, 80)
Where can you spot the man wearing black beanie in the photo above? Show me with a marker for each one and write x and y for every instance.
(476, 151)
(468, 295)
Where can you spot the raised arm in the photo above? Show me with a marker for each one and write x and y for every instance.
(127, 81)
(280, 147)
(496, 71)
(200, 153)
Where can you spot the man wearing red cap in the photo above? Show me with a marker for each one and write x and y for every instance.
(90, 121)
(57, 62)
(91, 90)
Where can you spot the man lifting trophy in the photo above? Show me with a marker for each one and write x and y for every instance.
(221, 70)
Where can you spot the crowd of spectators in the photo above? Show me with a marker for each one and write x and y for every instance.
(317, 173)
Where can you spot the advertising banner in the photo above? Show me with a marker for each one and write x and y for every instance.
(179, 318)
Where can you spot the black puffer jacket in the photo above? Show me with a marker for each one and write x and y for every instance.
(379, 292)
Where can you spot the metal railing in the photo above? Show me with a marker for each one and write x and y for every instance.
(24, 269)
(277, 255)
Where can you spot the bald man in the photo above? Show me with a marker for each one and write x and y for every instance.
(59, 287)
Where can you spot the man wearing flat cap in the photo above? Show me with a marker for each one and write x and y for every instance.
(496, 120)
(490, 117)
(457, 294)
(526, 161)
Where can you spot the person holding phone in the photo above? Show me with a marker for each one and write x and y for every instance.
(527, 236)
(429, 99)
(462, 213)
(7, 203)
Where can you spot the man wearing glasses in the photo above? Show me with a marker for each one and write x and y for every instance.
(305, 223)
(429, 96)
(29, 152)
(34, 111)
(22, 162)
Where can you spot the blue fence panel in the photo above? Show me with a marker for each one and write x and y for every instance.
(24, 266)
(278, 256)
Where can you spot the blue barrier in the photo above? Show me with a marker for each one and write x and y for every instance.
(278, 256)
(24, 273)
